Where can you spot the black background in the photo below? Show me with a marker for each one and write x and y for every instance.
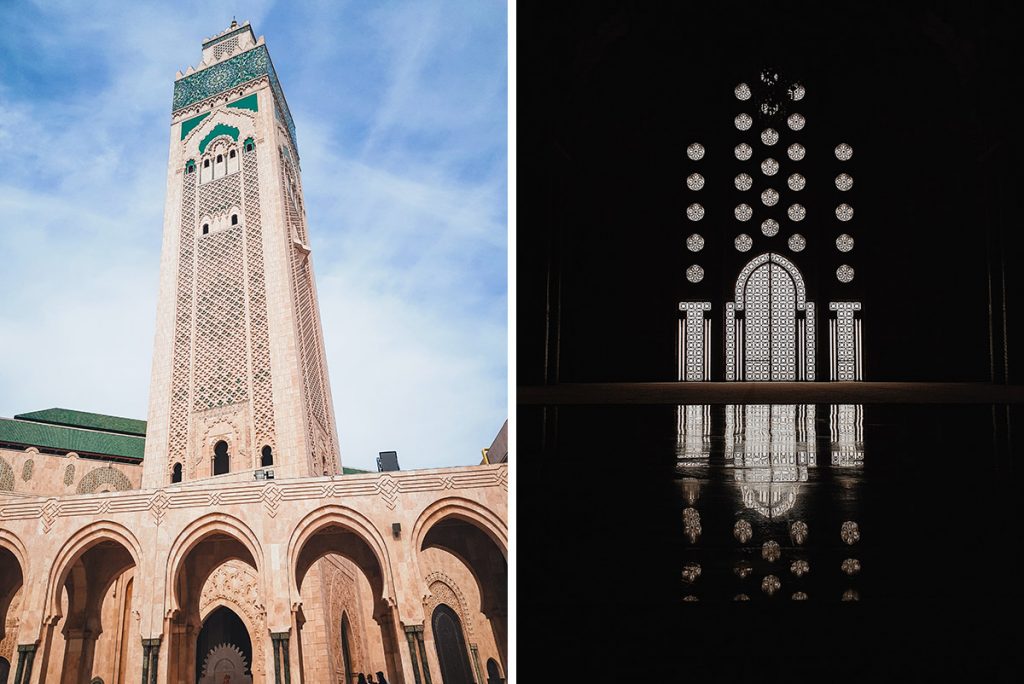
(609, 95)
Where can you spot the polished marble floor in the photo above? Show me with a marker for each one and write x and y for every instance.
(877, 539)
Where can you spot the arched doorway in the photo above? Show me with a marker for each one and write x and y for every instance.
(452, 654)
(346, 649)
(770, 327)
(494, 672)
(94, 635)
(215, 563)
(478, 546)
(223, 649)
(341, 564)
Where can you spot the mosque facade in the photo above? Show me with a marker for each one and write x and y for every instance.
(221, 540)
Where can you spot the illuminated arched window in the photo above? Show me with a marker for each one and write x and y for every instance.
(791, 218)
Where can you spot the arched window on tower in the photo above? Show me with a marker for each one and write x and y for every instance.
(221, 459)
(206, 229)
(219, 168)
(232, 163)
(267, 456)
(234, 219)
(176, 473)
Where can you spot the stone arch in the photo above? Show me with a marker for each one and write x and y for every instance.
(192, 535)
(771, 257)
(98, 477)
(450, 595)
(76, 545)
(463, 509)
(10, 582)
(355, 522)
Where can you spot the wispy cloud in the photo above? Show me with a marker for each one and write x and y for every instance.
(400, 109)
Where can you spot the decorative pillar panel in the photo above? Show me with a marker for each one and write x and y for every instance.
(694, 343)
(845, 362)
(693, 431)
(846, 423)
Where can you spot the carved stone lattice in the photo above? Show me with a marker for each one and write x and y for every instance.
(27, 469)
(321, 439)
(69, 474)
(182, 365)
(262, 389)
(95, 480)
(221, 363)
(443, 589)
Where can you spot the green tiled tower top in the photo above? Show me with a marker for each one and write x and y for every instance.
(90, 421)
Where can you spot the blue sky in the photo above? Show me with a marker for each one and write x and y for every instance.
(401, 117)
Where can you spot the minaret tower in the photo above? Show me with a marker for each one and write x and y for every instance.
(239, 372)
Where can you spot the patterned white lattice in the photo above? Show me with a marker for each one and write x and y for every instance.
(770, 197)
(844, 182)
(796, 122)
(846, 423)
(695, 212)
(743, 122)
(843, 152)
(695, 181)
(693, 342)
(262, 388)
(695, 151)
(770, 341)
(797, 242)
(844, 341)
(796, 182)
(743, 182)
(845, 273)
(742, 92)
(695, 242)
(695, 273)
(796, 151)
(743, 212)
(796, 212)
(769, 167)
(844, 243)
(770, 344)
(743, 151)
(743, 242)
(770, 227)
(769, 136)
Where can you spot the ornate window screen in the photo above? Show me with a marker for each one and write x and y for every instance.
(769, 327)
(845, 347)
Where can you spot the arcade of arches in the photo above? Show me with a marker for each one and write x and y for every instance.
(316, 580)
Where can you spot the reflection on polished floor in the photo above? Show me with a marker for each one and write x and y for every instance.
(786, 496)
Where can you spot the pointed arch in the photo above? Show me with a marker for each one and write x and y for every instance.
(770, 257)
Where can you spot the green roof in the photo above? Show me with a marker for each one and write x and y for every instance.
(71, 439)
(353, 471)
(90, 421)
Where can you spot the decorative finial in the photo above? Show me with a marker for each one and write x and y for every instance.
(234, 24)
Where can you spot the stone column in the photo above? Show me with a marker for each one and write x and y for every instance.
(410, 637)
(150, 659)
(476, 664)
(26, 653)
(282, 661)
